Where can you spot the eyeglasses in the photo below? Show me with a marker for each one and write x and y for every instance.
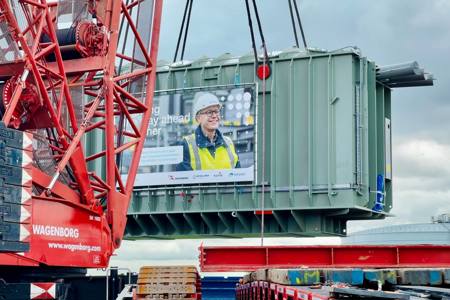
(210, 113)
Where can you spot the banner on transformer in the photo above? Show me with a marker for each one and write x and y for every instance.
(191, 140)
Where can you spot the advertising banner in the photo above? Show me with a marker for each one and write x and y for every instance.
(203, 135)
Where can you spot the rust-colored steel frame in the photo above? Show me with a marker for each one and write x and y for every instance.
(110, 99)
(246, 258)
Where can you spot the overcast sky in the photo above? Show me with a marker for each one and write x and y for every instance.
(387, 31)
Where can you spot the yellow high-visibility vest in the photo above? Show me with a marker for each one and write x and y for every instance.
(201, 159)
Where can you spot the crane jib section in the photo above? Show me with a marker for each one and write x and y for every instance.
(70, 70)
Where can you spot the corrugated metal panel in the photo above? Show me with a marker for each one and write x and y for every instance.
(325, 145)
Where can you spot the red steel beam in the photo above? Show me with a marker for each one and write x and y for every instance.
(8, 70)
(86, 64)
(248, 258)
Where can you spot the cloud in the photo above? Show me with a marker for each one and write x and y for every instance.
(422, 159)
(159, 249)
(421, 183)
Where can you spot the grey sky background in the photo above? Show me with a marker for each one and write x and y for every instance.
(387, 31)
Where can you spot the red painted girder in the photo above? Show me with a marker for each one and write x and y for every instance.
(86, 64)
(8, 70)
(248, 258)
(11, 259)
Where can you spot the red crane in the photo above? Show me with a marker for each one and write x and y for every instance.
(70, 73)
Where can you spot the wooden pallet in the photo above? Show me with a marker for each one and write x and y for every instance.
(172, 288)
(169, 297)
(168, 282)
(168, 269)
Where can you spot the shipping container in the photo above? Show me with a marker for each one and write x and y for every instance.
(322, 150)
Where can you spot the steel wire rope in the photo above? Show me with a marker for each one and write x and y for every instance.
(123, 38)
(264, 65)
(261, 34)
(180, 35)
(122, 122)
(184, 31)
(263, 187)
(294, 28)
(300, 23)
(187, 29)
(252, 33)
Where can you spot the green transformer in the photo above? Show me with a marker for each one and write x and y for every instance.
(322, 150)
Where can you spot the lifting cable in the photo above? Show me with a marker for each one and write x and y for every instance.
(184, 31)
(263, 76)
(252, 33)
(294, 27)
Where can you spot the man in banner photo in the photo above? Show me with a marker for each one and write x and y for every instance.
(207, 148)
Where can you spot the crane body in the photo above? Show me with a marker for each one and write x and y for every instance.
(62, 74)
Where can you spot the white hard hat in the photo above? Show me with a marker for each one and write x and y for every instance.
(203, 100)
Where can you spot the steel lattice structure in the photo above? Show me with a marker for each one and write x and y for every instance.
(46, 83)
